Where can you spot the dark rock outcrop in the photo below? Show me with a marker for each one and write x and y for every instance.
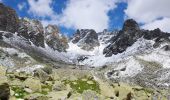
(32, 30)
(4, 91)
(54, 39)
(8, 19)
(129, 35)
(87, 39)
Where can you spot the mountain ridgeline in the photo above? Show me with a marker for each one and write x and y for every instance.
(87, 39)
(40, 63)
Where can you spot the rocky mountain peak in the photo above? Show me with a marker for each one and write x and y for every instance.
(32, 30)
(55, 39)
(8, 19)
(130, 24)
(86, 39)
(129, 34)
(52, 29)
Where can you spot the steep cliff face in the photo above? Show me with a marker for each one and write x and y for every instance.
(32, 30)
(8, 19)
(129, 35)
(55, 39)
(86, 39)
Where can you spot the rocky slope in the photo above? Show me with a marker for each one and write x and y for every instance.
(39, 63)
(86, 39)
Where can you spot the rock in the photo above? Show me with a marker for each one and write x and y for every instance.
(48, 70)
(33, 84)
(43, 76)
(36, 96)
(59, 86)
(166, 48)
(60, 95)
(130, 24)
(4, 91)
(129, 34)
(86, 39)
(3, 78)
(21, 76)
(55, 39)
(82, 58)
(2, 71)
(32, 30)
(8, 19)
(89, 95)
(28, 90)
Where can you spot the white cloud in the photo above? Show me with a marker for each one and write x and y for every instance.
(21, 5)
(78, 14)
(149, 12)
(91, 14)
(163, 24)
(41, 8)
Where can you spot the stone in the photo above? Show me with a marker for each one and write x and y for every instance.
(4, 91)
(59, 86)
(43, 76)
(33, 84)
(36, 96)
(89, 95)
(59, 95)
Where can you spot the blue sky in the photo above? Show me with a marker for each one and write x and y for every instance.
(70, 15)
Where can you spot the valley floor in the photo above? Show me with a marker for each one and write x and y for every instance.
(70, 84)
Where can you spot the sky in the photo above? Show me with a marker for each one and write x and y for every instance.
(70, 15)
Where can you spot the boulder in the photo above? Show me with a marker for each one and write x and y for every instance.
(33, 84)
(8, 19)
(4, 91)
(43, 76)
(36, 96)
(4, 86)
(59, 86)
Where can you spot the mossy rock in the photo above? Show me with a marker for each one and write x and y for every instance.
(81, 85)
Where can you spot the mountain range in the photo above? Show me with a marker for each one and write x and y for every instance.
(131, 59)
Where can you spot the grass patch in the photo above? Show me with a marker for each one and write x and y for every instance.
(19, 92)
(46, 89)
(81, 85)
(146, 90)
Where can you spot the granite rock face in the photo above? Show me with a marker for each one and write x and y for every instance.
(8, 19)
(54, 39)
(86, 39)
(32, 30)
(129, 35)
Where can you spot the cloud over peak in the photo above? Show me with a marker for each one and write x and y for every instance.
(78, 14)
(40, 8)
(87, 14)
(152, 13)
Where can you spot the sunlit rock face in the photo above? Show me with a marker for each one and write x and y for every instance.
(8, 19)
(55, 39)
(86, 39)
(32, 30)
(129, 34)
